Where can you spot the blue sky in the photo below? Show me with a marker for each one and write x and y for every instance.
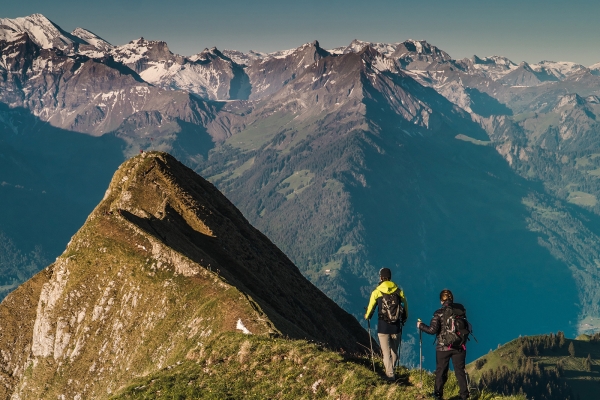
(523, 30)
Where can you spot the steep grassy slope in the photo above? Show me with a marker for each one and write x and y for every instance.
(163, 264)
(236, 366)
(534, 364)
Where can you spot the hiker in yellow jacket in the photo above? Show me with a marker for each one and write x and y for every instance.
(392, 314)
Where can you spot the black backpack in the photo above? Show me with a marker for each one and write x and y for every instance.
(391, 309)
(455, 327)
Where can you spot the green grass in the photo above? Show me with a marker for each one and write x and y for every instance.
(540, 124)
(347, 249)
(474, 141)
(242, 168)
(261, 132)
(237, 366)
(582, 199)
(295, 184)
(523, 116)
(582, 162)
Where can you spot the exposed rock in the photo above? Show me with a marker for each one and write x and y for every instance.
(163, 263)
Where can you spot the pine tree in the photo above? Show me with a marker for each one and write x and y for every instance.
(572, 349)
(560, 369)
(588, 363)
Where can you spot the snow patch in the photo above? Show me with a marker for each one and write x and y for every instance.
(240, 326)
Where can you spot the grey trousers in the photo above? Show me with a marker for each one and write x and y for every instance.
(389, 347)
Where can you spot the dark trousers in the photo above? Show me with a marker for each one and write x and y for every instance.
(442, 359)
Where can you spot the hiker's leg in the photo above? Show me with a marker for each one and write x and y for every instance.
(386, 345)
(394, 343)
(442, 361)
(458, 361)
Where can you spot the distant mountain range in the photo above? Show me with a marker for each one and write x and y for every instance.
(477, 174)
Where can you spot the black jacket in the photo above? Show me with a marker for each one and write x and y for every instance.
(435, 326)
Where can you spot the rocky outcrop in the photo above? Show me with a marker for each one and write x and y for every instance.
(162, 264)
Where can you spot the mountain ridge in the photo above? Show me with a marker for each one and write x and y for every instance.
(161, 265)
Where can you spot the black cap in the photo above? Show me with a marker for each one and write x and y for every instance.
(385, 273)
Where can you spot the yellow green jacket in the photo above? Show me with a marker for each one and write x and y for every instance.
(388, 287)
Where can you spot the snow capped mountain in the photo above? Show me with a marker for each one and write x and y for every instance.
(497, 67)
(16, 56)
(357, 46)
(42, 31)
(571, 100)
(253, 56)
(419, 55)
(234, 75)
(494, 67)
(270, 74)
(560, 69)
(93, 39)
(595, 69)
(209, 74)
(243, 58)
(525, 75)
(9, 34)
(139, 54)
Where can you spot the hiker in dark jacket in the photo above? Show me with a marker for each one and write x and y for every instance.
(389, 334)
(444, 352)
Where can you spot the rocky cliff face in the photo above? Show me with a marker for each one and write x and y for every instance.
(162, 264)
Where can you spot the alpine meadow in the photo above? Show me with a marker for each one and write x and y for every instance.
(212, 225)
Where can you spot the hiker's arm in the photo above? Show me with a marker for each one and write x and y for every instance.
(434, 325)
(372, 304)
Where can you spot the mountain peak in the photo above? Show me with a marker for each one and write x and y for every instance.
(419, 54)
(496, 60)
(356, 46)
(142, 49)
(571, 99)
(424, 48)
(162, 265)
(92, 39)
(42, 31)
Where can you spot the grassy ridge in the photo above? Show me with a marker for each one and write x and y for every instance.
(238, 366)
(566, 357)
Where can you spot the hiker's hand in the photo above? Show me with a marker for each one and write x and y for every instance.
(419, 324)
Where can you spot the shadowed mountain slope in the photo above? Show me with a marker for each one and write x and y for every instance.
(163, 263)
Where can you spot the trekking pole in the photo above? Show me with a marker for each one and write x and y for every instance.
(421, 354)
(399, 348)
(371, 344)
